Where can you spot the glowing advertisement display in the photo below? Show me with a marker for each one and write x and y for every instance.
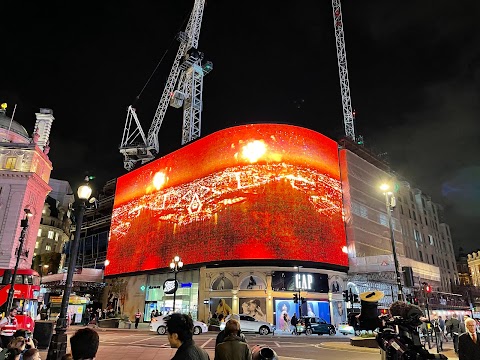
(253, 192)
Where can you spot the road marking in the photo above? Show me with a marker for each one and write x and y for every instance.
(206, 342)
(276, 343)
(326, 347)
(148, 338)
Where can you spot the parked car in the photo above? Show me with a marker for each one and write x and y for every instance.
(159, 325)
(250, 324)
(315, 325)
(346, 329)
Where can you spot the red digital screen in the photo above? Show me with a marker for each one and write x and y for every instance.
(262, 191)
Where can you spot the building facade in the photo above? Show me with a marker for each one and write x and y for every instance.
(24, 174)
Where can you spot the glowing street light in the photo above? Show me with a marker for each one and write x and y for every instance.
(390, 204)
(175, 265)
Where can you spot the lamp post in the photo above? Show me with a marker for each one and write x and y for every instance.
(175, 265)
(58, 344)
(24, 226)
(390, 204)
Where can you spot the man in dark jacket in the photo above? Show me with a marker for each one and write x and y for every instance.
(294, 322)
(468, 343)
(233, 348)
(222, 334)
(180, 333)
(455, 330)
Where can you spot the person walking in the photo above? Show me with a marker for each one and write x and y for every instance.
(441, 324)
(180, 337)
(294, 322)
(8, 325)
(455, 330)
(138, 315)
(468, 342)
(233, 348)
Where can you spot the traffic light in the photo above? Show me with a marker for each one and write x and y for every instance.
(409, 298)
(415, 301)
(355, 298)
(345, 295)
(350, 296)
(303, 300)
(428, 289)
(295, 298)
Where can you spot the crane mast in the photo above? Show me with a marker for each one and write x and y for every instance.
(187, 71)
(348, 115)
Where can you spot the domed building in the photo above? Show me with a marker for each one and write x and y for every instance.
(24, 174)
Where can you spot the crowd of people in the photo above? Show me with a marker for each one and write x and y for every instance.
(454, 329)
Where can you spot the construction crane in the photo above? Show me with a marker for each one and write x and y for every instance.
(187, 73)
(348, 114)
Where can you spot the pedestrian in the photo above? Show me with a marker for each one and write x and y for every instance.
(233, 348)
(455, 330)
(463, 329)
(222, 334)
(468, 343)
(157, 313)
(152, 314)
(441, 324)
(84, 344)
(8, 325)
(438, 335)
(294, 322)
(180, 337)
(138, 315)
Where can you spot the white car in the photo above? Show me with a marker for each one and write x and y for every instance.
(159, 325)
(250, 324)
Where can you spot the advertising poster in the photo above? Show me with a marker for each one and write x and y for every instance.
(249, 192)
(254, 307)
(284, 310)
(339, 312)
(221, 306)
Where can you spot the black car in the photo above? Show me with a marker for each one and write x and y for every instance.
(315, 325)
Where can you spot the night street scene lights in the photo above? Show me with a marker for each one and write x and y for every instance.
(58, 344)
(175, 265)
(24, 226)
(390, 203)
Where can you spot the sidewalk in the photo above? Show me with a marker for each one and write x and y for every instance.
(342, 345)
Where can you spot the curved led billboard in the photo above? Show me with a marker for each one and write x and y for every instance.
(263, 191)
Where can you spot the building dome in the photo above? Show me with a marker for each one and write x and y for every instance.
(13, 126)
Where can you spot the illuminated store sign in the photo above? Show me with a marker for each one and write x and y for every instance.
(292, 281)
(245, 193)
(170, 286)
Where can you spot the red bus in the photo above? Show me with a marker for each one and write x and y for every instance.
(26, 291)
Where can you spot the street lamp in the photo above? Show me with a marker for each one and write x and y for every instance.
(175, 265)
(58, 344)
(24, 226)
(390, 204)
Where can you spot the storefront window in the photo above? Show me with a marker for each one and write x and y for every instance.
(186, 299)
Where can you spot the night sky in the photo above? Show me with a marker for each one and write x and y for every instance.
(414, 70)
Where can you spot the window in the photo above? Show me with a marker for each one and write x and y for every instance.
(50, 234)
(383, 219)
(414, 215)
(433, 260)
(10, 164)
(36, 245)
(417, 235)
(421, 255)
(411, 196)
(56, 236)
(430, 239)
(48, 247)
(39, 232)
(401, 209)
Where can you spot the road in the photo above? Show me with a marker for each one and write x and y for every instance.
(145, 345)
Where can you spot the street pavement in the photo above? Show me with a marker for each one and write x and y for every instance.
(131, 344)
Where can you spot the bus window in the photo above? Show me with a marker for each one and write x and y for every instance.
(36, 280)
(19, 279)
(29, 279)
